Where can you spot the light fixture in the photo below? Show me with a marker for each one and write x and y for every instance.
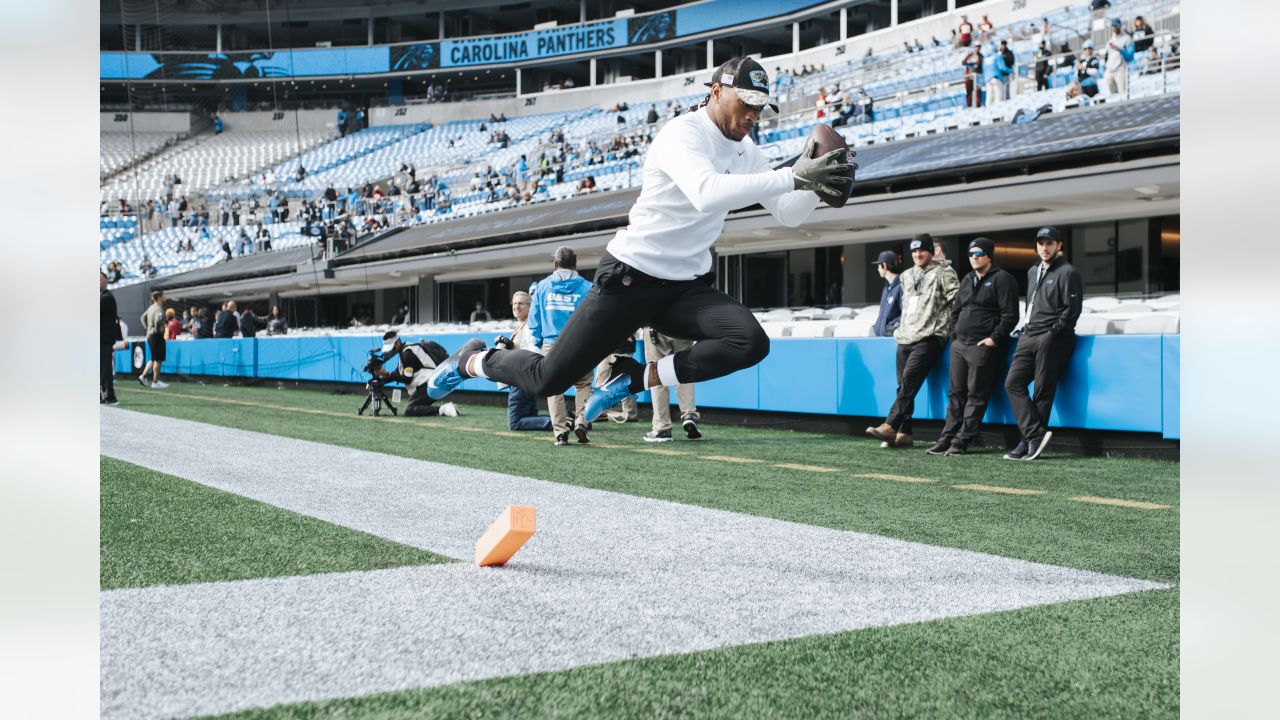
(1147, 189)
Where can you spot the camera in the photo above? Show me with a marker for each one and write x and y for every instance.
(374, 362)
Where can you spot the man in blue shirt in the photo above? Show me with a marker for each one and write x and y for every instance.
(890, 296)
(555, 298)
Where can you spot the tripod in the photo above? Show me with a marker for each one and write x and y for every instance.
(377, 397)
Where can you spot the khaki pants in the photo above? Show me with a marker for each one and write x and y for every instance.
(556, 405)
(628, 407)
(656, 347)
(1117, 82)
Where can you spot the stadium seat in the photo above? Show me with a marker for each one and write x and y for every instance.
(1094, 324)
(811, 329)
(857, 327)
(1153, 323)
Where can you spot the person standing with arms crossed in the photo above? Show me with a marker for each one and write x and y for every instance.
(928, 290)
(1055, 296)
(555, 299)
(657, 271)
(985, 312)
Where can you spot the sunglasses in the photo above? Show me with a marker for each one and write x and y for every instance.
(977, 253)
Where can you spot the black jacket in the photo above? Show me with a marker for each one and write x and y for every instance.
(224, 326)
(248, 324)
(985, 307)
(108, 316)
(1054, 306)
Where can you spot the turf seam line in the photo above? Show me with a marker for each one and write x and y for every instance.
(730, 459)
(1115, 502)
(806, 468)
(979, 487)
(895, 478)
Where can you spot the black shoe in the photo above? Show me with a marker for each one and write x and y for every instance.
(502, 342)
(562, 439)
(955, 450)
(658, 436)
(581, 432)
(939, 447)
(691, 429)
(1038, 445)
(111, 401)
(1018, 453)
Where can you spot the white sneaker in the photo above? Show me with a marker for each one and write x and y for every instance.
(142, 380)
(449, 410)
(160, 384)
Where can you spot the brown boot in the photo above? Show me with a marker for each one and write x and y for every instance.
(884, 432)
(902, 440)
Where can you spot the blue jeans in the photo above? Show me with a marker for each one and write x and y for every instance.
(522, 411)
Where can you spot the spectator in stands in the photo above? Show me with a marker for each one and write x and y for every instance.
(145, 268)
(985, 312)
(656, 347)
(245, 243)
(1151, 62)
(973, 77)
(1043, 53)
(863, 108)
(1143, 37)
(153, 323)
(108, 335)
(965, 32)
(480, 314)
(224, 325)
(172, 328)
(342, 123)
(275, 322)
(1047, 339)
(1088, 69)
(522, 406)
(361, 119)
(587, 185)
(224, 210)
(217, 124)
(226, 249)
(555, 297)
(235, 211)
(1173, 57)
(984, 28)
(651, 118)
(906, 47)
(887, 266)
(249, 323)
(820, 104)
(1099, 5)
(1120, 49)
(1004, 66)
(929, 290)
(835, 100)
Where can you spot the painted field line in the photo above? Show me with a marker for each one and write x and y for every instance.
(895, 478)
(997, 489)
(730, 459)
(305, 411)
(468, 428)
(1135, 504)
(661, 451)
(509, 433)
(806, 468)
(611, 446)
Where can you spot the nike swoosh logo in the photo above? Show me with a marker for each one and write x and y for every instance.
(740, 152)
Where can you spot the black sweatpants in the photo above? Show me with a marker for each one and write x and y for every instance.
(106, 372)
(420, 404)
(1043, 358)
(915, 361)
(622, 300)
(975, 372)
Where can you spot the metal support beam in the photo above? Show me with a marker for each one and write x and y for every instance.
(893, 13)
(657, 63)
(795, 37)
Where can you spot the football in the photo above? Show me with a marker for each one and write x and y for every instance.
(827, 140)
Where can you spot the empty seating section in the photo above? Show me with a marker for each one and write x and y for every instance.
(119, 150)
(916, 94)
(161, 248)
(206, 161)
(1102, 315)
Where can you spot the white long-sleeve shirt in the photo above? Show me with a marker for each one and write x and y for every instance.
(693, 176)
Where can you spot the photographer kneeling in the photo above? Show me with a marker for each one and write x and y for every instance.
(417, 362)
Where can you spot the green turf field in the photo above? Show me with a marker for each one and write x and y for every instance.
(161, 530)
(1115, 657)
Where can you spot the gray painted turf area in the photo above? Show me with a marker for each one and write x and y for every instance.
(607, 577)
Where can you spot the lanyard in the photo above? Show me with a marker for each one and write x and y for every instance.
(1044, 270)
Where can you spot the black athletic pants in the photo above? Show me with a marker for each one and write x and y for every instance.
(1043, 358)
(106, 372)
(914, 363)
(622, 300)
(420, 404)
(975, 372)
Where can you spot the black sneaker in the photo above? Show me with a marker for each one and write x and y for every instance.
(955, 450)
(1018, 453)
(939, 447)
(581, 432)
(658, 436)
(1038, 445)
(562, 439)
(691, 429)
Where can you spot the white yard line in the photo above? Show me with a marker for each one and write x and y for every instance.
(608, 577)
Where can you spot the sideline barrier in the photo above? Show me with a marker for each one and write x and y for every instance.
(1115, 382)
